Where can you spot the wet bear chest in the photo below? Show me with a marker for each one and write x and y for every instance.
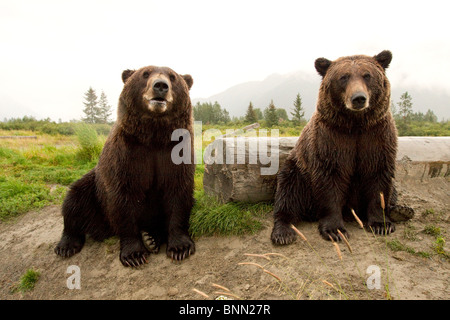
(350, 153)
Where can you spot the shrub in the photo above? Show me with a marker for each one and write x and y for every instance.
(91, 146)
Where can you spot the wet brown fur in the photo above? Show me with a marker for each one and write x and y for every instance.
(135, 186)
(344, 158)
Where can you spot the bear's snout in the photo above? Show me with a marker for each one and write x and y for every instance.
(359, 100)
(356, 95)
(160, 87)
(158, 94)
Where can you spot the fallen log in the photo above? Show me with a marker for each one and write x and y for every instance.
(237, 170)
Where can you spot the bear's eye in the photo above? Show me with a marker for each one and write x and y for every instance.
(344, 78)
(172, 77)
(146, 74)
(367, 76)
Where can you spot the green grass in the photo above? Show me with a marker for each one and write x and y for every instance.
(210, 217)
(432, 230)
(28, 280)
(36, 173)
(17, 197)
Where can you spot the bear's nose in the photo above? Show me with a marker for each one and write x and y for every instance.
(359, 100)
(160, 86)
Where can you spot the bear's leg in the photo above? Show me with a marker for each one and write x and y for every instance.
(377, 212)
(81, 213)
(124, 214)
(179, 242)
(330, 202)
(292, 201)
(177, 207)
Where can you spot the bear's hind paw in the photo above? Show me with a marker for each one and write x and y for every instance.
(151, 243)
(381, 228)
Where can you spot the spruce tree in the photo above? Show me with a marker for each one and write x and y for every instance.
(91, 109)
(250, 116)
(405, 107)
(104, 109)
(270, 115)
(298, 113)
(404, 114)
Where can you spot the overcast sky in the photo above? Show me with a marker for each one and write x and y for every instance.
(51, 52)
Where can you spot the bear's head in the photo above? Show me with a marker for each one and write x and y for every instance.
(154, 92)
(355, 85)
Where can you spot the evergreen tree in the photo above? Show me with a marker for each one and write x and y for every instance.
(259, 114)
(104, 108)
(91, 109)
(270, 115)
(404, 114)
(282, 114)
(250, 116)
(298, 113)
(430, 116)
(211, 113)
(405, 107)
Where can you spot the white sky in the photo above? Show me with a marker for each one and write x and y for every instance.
(52, 51)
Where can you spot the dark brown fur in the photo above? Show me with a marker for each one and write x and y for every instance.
(135, 186)
(345, 156)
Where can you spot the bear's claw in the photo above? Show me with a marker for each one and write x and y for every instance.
(333, 234)
(381, 228)
(134, 260)
(68, 246)
(283, 234)
(180, 249)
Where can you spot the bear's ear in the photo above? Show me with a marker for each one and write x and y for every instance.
(322, 66)
(189, 80)
(126, 74)
(384, 58)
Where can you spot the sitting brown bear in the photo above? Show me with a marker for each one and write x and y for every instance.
(345, 156)
(136, 186)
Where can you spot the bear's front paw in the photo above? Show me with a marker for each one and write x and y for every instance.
(68, 245)
(282, 234)
(179, 248)
(381, 227)
(329, 231)
(133, 253)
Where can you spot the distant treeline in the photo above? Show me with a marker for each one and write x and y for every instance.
(48, 126)
(408, 123)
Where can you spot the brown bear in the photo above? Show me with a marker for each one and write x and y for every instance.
(136, 186)
(345, 155)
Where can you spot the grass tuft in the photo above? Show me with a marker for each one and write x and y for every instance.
(210, 217)
(28, 280)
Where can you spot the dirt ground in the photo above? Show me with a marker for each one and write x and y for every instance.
(303, 270)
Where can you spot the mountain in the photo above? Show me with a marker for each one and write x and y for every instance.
(283, 89)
